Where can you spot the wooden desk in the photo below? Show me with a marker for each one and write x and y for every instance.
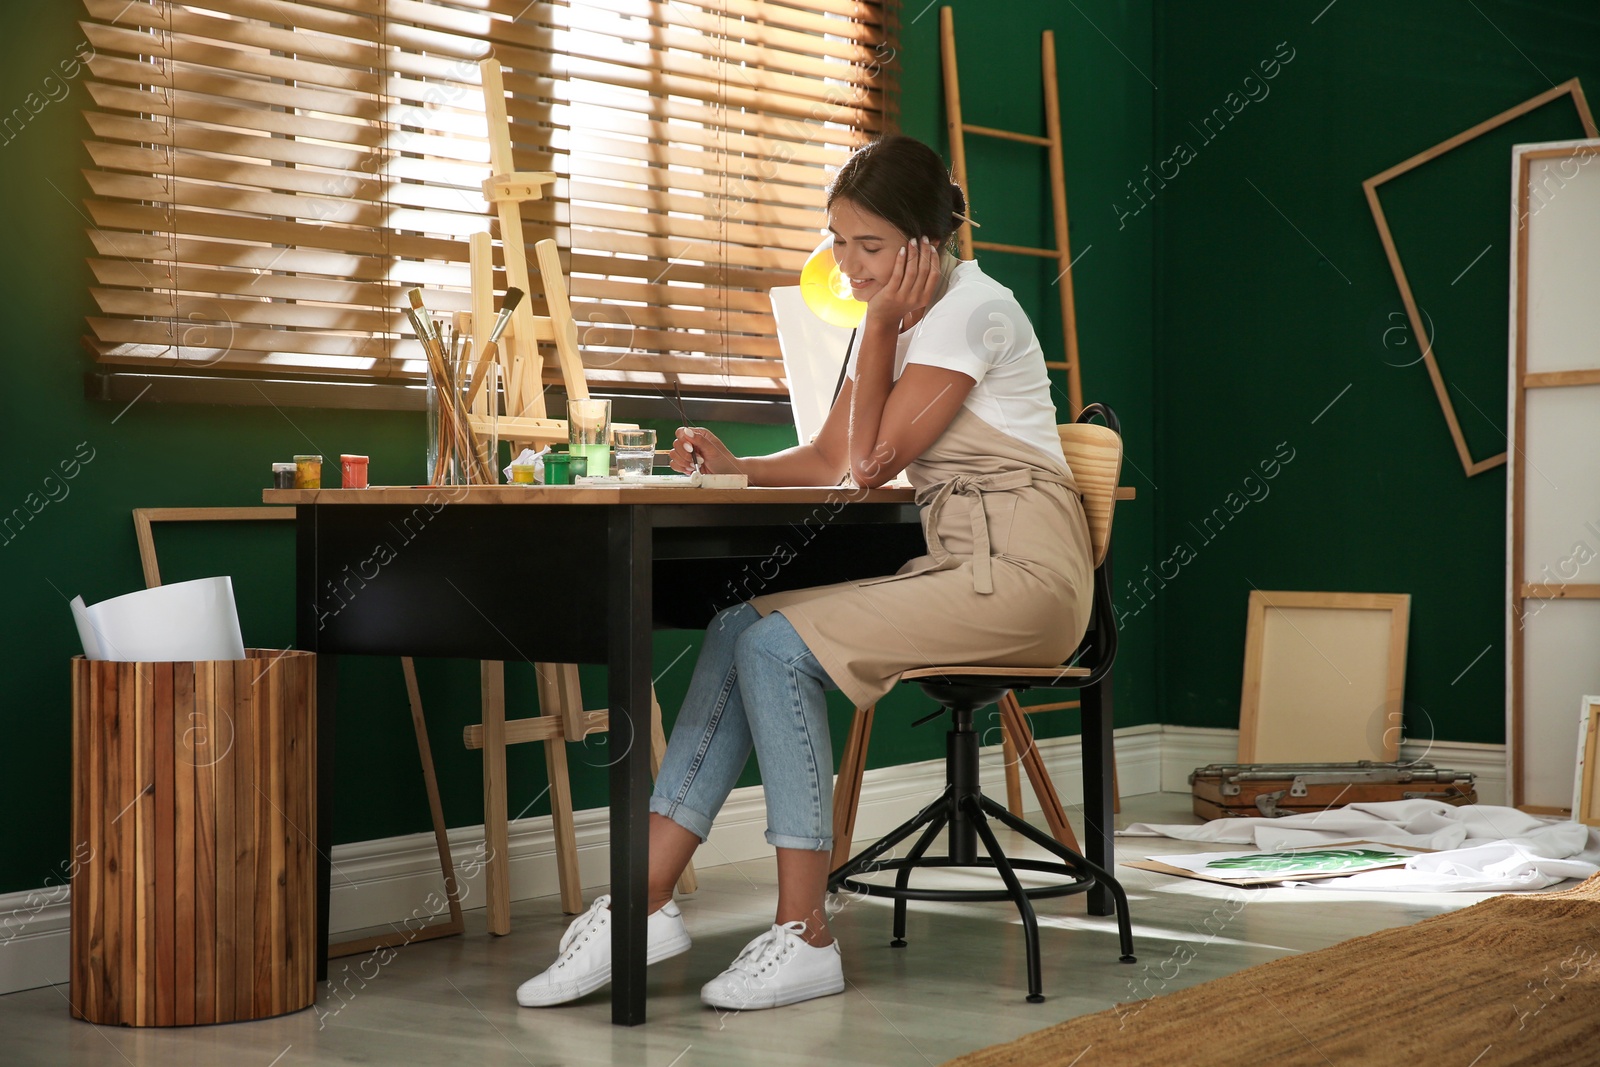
(577, 575)
(564, 575)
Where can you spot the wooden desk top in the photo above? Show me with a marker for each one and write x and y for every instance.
(569, 494)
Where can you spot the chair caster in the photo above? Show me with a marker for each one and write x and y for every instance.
(1130, 959)
(1035, 998)
(898, 942)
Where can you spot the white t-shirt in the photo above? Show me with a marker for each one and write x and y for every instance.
(978, 328)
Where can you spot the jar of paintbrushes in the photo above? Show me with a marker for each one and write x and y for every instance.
(463, 396)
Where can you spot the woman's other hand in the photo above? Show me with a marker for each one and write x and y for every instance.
(911, 284)
(696, 442)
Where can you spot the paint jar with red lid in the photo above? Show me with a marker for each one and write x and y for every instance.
(353, 472)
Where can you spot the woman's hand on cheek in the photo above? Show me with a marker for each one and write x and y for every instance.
(911, 283)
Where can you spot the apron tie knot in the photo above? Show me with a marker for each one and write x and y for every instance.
(972, 487)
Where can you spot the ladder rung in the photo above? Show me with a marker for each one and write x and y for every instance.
(991, 246)
(1006, 135)
(1052, 365)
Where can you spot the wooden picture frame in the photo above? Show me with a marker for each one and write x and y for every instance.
(1588, 810)
(1571, 88)
(1324, 677)
(1553, 577)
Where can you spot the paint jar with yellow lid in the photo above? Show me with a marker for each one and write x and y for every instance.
(308, 472)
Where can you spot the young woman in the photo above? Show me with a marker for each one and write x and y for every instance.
(947, 382)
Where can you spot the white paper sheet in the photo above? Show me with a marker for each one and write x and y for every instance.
(1325, 860)
(185, 621)
(86, 634)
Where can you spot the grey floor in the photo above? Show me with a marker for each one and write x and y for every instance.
(957, 986)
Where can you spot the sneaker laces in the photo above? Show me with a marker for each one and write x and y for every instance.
(583, 924)
(771, 947)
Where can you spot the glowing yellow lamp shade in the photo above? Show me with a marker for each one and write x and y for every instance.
(826, 290)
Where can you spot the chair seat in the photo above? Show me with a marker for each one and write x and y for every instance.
(1004, 677)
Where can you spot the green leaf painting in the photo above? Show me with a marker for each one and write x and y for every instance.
(1308, 860)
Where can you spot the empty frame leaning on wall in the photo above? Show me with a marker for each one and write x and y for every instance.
(1553, 486)
(1572, 87)
(1324, 677)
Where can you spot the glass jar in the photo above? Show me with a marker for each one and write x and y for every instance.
(463, 441)
(589, 434)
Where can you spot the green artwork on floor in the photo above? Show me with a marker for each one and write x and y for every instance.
(1309, 860)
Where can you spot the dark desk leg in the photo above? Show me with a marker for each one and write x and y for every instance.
(306, 634)
(327, 690)
(1095, 705)
(628, 622)
(1099, 777)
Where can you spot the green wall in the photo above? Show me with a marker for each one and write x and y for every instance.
(81, 539)
(1275, 298)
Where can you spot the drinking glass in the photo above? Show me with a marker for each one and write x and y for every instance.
(636, 451)
(589, 433)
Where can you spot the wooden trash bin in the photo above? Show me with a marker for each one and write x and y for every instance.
(193, 810)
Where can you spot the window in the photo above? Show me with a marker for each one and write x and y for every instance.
(269, 177)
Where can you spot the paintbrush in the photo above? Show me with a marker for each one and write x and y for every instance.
(429, 331)
(491, 347)
(677, 392)
(439, 367)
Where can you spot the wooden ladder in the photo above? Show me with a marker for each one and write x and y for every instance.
(1062, 252)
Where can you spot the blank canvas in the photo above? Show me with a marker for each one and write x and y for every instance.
(1324, 676)
(1552, 620)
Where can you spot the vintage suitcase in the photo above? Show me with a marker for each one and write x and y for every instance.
(1273, 789)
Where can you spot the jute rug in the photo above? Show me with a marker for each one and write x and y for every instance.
(1512, 980)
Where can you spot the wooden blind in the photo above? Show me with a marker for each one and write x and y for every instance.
(269, 176)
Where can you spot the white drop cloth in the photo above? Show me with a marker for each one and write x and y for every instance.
(1479, 848)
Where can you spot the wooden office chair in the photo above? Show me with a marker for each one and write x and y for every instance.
(1085, 449)
(1095, 455)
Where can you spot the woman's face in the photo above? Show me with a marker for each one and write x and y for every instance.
(864, 245)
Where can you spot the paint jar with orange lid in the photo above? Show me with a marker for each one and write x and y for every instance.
(353, 471)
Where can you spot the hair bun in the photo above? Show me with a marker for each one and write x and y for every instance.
(958, 207)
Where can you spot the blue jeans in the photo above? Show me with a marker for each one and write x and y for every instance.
(755, 684)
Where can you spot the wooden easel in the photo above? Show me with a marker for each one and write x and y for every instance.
(1062, 252)
(525, 422)
(522, 367)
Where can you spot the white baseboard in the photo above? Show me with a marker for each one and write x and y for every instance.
(396, 880)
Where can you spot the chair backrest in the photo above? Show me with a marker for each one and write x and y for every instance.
(1094, 453)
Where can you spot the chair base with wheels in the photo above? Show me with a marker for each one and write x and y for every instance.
(964, 809)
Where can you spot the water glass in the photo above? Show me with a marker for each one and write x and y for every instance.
(636, 451)
(589, 433)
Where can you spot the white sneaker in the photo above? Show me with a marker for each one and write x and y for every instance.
(775, 969)
(584, 962)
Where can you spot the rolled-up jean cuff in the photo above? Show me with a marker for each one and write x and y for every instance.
(810, 844)
(686, 817)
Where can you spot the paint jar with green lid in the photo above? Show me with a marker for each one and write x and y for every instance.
(564, 468)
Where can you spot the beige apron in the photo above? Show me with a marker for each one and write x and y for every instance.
(1007, 581)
